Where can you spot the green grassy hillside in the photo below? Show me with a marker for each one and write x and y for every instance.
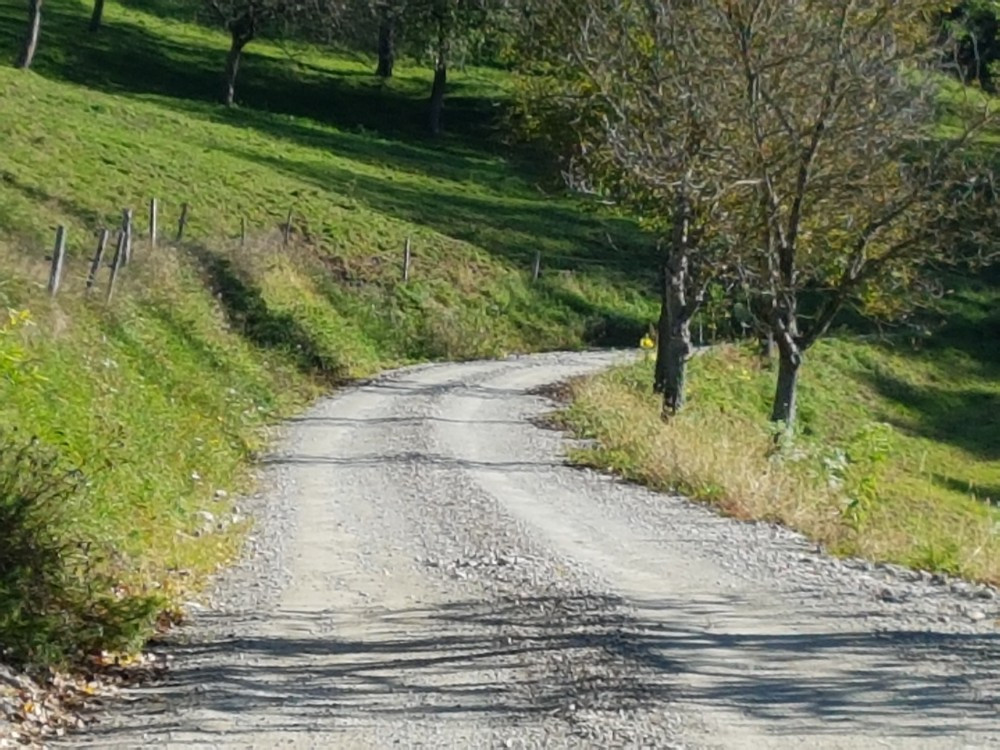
(148, 412)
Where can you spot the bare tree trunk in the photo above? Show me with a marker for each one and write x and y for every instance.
(242, 33)
(678, 352)
(676, 346)
(786, 392)
(785, 331)
(674, 336)
(31, 39)
(232, 68)
(386, 46)
(97, 16)
(440, 80)
(784, 320)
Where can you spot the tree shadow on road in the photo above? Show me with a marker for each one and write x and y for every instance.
(532, 658)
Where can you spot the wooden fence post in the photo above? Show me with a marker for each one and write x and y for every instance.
(116, 266)
(58, 254)
(152, 222)
(127, 233)
(288, 227)
(182, 222)
(95, 264)
(537, 270)
(407, 254)
(243, 231)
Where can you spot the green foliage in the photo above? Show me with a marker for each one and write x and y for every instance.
(976, 24)
(55, 603)
(868, 451)
(15, 366)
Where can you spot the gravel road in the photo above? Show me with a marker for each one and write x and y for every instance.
(426, 572)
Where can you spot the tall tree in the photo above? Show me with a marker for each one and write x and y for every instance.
(854, 184)
(243, 20)
(442, 20)
(444, 29)
(976, 26)
(246, 19)
(791, 145)
(97, 16)
(629, 91)
(30, 45)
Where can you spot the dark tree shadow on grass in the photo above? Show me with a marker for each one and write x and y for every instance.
(512, 229)
(985, 492)
(250, 315)
(968, 418)
(963, 409)
(450, 160)
(65, 205)
(131, 58)
(605, 326)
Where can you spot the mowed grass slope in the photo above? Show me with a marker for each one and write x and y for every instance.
(149, 411)
(898, 453)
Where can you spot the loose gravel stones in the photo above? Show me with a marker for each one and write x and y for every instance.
(425, 571)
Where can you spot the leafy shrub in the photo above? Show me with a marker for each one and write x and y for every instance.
(975, 25)
(55, 604)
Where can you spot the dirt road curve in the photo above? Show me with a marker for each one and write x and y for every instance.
(429, 574)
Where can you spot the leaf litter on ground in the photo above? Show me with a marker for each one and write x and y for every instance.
(37, 708)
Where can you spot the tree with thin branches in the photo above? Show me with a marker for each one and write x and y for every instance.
(626, 90)
(855, 185)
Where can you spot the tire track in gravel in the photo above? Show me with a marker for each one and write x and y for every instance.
(429, 574)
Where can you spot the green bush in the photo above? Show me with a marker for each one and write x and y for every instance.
(55, 604)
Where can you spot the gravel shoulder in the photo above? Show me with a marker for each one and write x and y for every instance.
(426, 572)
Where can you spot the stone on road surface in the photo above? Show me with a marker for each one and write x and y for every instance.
(427, 572)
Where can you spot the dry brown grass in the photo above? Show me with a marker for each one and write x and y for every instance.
(725, 461)
(723, 457)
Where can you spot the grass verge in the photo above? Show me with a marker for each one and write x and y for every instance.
(897, 458)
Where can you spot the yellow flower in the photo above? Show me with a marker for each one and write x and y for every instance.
(646, 342)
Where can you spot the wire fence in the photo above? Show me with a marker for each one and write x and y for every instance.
(116, 246)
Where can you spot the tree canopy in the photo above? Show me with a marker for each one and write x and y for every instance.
(790, 148)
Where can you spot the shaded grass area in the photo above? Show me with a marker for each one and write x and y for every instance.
(142, 53)
(78, 151)
(155, 406)
(897, 456)
(161, 401)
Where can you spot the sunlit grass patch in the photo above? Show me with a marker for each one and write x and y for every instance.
(897, 456)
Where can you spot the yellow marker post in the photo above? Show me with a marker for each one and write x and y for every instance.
(647, 344)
